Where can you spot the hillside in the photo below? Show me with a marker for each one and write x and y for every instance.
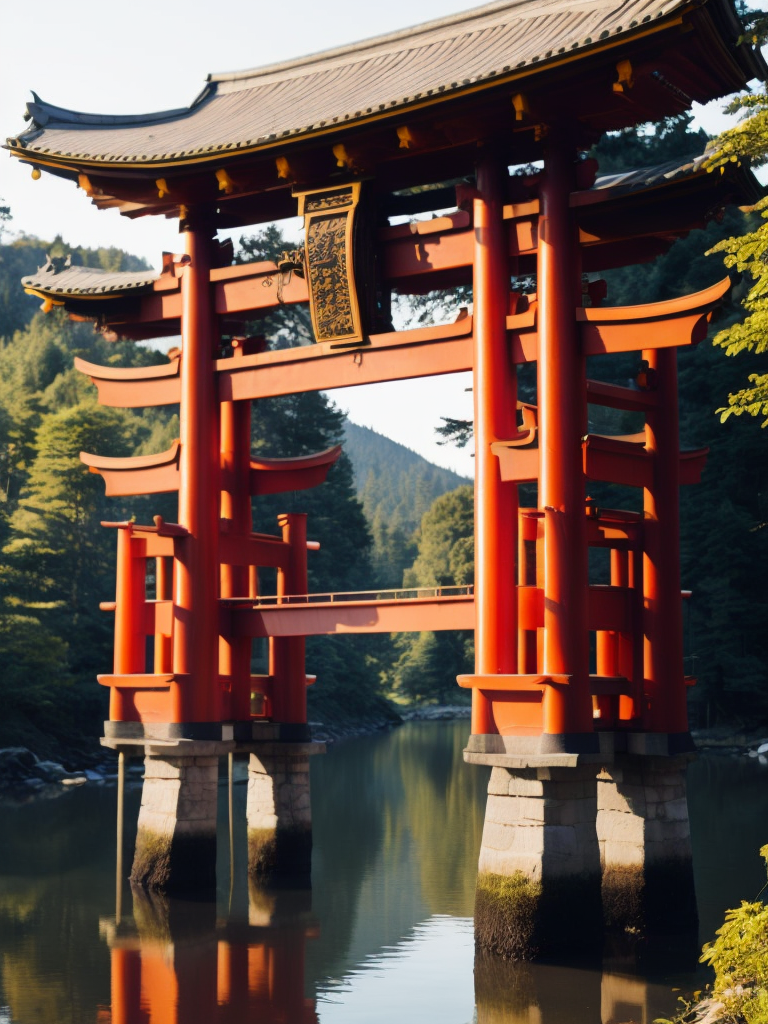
(396, 487)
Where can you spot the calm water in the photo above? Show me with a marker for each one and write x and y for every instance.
(384, 936)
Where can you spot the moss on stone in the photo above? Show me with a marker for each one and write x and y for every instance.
(152, 860)
(506, 911)
(279, 853)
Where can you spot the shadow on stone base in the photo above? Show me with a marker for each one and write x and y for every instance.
(659, 898)
(181, 863)
(280, 855)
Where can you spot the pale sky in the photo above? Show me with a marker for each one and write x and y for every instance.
(117, 57)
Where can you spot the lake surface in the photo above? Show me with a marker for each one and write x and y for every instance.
(385, 935)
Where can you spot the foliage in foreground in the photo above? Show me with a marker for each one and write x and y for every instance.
(739, 957)
(748, 253)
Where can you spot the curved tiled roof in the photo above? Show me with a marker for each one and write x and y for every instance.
(252, 109)
(59, 277)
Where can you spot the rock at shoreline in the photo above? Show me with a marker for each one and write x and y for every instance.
(437, 713)
(23, 775)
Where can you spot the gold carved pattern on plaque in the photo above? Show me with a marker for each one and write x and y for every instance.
(332, 202)
(329, 222)
(327, 258)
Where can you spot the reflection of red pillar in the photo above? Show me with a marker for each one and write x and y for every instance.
(129, 632)
(495, 400)
(232, 982)
(235, 652)
(126, 986)
(289, 688)
(195, 641)
(663, 611)
(562, 422)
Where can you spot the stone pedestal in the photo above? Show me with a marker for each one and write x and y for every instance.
(176, 839)
(538, 887)
(279, 814)
(645, 846)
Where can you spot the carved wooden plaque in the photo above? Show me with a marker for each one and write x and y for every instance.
(329, 223)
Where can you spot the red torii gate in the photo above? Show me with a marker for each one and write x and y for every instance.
(649, 691)
(536, 707)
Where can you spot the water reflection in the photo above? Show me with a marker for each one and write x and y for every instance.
(175, 963)
(509, 993)
(385, 935)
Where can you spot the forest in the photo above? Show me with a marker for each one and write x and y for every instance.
(385, 518)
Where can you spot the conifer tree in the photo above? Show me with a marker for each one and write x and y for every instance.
(428, 663)
(748, 253)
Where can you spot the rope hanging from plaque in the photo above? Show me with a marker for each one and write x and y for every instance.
(329, 231)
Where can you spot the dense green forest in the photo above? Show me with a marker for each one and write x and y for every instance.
(385, 517)
(397, 487)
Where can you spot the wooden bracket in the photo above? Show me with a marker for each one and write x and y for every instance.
(626, 78)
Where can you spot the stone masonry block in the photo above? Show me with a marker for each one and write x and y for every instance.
(161, 799)
(157, 768)
(620, 854)
(498, 784)
(675, 810)
(504, 862)
(560, 841)
(503, 810)
(158, 822)
(613, 826)
(517, 838)
(659, 831)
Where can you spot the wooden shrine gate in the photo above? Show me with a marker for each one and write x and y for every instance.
(349, 150)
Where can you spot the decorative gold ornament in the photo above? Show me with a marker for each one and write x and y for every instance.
(329, 216)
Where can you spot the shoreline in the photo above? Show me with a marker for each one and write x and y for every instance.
(25, 777)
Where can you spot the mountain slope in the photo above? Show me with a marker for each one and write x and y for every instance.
(396, 486)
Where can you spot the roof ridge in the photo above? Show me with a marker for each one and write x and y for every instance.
(40, 112)
(375, 42)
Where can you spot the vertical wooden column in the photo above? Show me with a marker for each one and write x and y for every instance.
(495, 406)
(622, 575)
(196, 579)
(163, 592)
(235, 652)
(663, 609)
(288, 668)
(562, 422)
(526, 637)
(129, 633)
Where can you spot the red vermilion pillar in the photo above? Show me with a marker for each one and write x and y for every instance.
(129, 656)
(163, 592)
(562, 422)
(195, 634)
(663, 610)
(289, 687)
(235, 652)
(495, 402)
